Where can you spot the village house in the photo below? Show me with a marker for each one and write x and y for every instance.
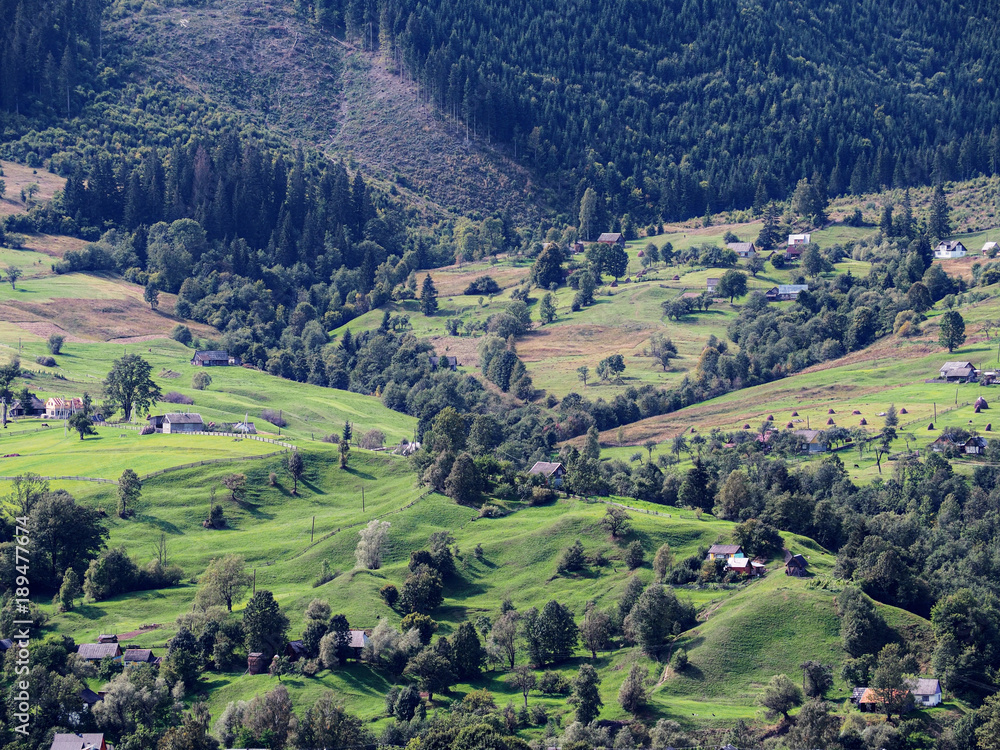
(796, 244)
(79, 742)
(950, 249)
(134, 657)
(577, 247)
(173, 423)
(869, 700)
(612, 238)
(35, 406)
(746, 567)
(98, 651)
(725, 552)
(959, 372)
(552, 472)
(785, 292)
(990, 247)
(452, 362)
(712, 285)
(795, 565)
(926, 691)
(246, 427)
(943, 442)
(975, 446)
(810, 441)
(742, 249)
(214, 359)
(62, 408)
(256, 663)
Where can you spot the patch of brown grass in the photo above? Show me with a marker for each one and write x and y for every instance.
(16, 177)
(101, 320)
(53, 245)
(452, 281)
(594, 341)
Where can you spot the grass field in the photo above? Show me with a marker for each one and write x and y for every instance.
(310, 411)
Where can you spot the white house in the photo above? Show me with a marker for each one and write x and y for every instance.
(743, 249)
(799, 239)
(950, 249)
(926, 691)
(990, 247)
(62, 408)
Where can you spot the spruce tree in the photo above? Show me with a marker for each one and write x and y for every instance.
(428, 296)
(939, 225)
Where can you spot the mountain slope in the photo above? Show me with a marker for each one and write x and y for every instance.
(292, 78)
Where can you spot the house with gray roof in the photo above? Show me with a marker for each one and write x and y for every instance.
(926, 690)
(552, 471)
(98, 651)
(80, 742)
(725, 552)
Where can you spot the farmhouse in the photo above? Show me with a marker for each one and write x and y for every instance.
(796, 243)
(79, 742)
(62, 408)
(35, 406)
(452, 362)
(98, 651)
(134, 657)
(959, 372)
(172, 423)
(942, 442)
(810, 440)
(746, 567)
(975, 446)
(612, 238)
(990, 247)
(743, 249)
(552, 472)
(725, 552)
(950, 249)
(712, 285)
(869, 700)
(785, 292)
(214, 359)
(926, 691)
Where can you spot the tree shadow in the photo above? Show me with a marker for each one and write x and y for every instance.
(165, 526)
(89, 611)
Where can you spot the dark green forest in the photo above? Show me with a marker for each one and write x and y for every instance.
(668, 109)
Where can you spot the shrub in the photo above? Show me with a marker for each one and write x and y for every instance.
(173, 397)
(201, 380)
(274, 417)
(490, 511)
(553, 683)
(389, 594)
(46, 361)
(634, 555)
(542, 496)
(147, 430)
(483, 285)
(55, 343)
(372, 440)
(310, 667)
(272, 479)
(182, 334)
(679, 661)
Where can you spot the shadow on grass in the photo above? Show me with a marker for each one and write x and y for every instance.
(89, 612)
(359, 474)
(165, 526)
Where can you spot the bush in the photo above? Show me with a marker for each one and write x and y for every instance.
(182, 334)
(147, 430)
(274, 417)
(201, 380)
(173, 397)
(484, 285)
(55, 343)
(553, 683)
(490, 511)
(46, 361)
(389, 594)
(372, 440)
(634, 555)
(679, 661)
(542, 496)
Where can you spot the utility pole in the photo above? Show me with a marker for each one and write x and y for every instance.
(313, 532)
(362, 498)
(255, 580)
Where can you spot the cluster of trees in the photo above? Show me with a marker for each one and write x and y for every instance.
(636, 140)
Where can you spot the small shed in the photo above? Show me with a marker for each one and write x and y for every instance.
(211, 359)
(795, 565)
(296, 650)
(134, 657)
(173, 423)
(256, 663)
(612, 238)
(107, 638)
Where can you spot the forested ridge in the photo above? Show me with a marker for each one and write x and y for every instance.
(669, 109)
